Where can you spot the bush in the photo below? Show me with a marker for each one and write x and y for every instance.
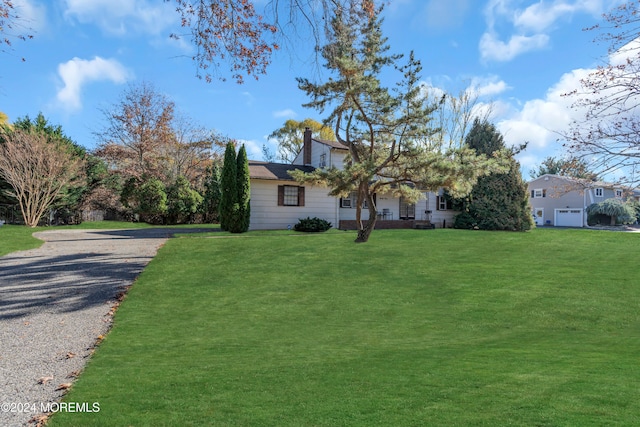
(619, 211)
(465, 221)
(314, 224)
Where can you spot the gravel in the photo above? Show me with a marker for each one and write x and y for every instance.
(55, 303)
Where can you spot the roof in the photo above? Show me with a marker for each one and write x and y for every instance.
(332, 144)
(580, 181)
(274, 171)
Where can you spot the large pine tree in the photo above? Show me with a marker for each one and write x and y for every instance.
(387, 131)
(498, 201)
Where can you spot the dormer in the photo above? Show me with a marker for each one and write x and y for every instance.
(320, 153)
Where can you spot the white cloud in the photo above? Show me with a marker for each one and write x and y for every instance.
(254, 148)
(531, 26)
(120, 17)
(491, 48)
(285, 114)
(78, 72)
(488, 86)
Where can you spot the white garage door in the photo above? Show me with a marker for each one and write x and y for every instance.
(568, 218)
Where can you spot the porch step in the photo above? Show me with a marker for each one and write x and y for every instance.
(424, 225)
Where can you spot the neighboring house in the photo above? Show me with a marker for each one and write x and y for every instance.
(562, 201)
(278, 202)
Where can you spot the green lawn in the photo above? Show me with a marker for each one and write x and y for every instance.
(19, 237)
(439, 327)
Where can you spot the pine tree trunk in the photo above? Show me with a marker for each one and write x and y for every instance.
(364, 231)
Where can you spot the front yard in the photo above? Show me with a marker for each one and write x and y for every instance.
(440, 327)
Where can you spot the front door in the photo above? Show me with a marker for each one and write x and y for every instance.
(538, 216)
(407, 210)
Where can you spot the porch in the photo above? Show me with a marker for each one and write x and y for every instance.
(387, 224)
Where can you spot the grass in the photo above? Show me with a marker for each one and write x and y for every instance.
(439, 327)
(19, 237)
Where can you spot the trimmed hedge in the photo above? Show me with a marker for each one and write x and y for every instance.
(314, 224)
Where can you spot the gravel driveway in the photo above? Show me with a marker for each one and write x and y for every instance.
(55, 301)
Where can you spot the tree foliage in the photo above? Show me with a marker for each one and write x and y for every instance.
(145, 138)
(290, 137)
(232, 31)
(39, 167)
(11, 26)
(182, 201)
(211, 201)
(386, 131)
(243, 215)
(571, 167)
(498, 201)
(619, 211)
(609, 132)
(228, 188)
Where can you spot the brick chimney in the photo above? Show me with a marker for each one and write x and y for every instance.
(306, 148)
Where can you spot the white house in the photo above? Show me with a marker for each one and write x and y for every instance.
(562, 201)
(278, 202)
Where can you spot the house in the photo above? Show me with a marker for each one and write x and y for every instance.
(562, 201)
(278, 202)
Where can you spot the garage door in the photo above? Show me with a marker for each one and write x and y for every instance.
(568, 218)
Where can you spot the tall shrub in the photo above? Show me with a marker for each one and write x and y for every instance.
(241, 222)
(498, 201)
(228, 188)
(211, 203)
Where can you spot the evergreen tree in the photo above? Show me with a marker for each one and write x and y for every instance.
(498, 201)
(211, 203)
(182, 201)
(241, 222)
(387, 131)
(228, 188)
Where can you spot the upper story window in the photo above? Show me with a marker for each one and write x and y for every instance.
(599, 192)
(323, 160)
(618, 193)
(538, 193)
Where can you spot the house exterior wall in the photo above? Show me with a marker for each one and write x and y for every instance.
(333, 157)
(441, 218)
(555, 193)
(267, 215)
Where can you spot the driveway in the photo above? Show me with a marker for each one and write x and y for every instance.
(55, 303)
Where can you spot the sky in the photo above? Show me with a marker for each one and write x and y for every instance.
(518, 55)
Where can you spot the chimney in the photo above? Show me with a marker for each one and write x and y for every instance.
(306, 148)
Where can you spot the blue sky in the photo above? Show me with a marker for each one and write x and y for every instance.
(521, 55)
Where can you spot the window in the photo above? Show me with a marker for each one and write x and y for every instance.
(618, 193)
(352, 200)
(323, 160)
(290, 195)
(443, 203)
(538, 193)
(599, 192)
(345, 202)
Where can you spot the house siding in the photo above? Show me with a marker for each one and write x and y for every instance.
(441, 218)
(267, 215)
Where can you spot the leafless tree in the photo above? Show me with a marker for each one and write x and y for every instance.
(38, 170)
(608, 134)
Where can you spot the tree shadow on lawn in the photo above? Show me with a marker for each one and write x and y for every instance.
(76, 270)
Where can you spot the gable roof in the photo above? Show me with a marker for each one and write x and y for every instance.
(274, 171)
(585, 183)
(332, 144)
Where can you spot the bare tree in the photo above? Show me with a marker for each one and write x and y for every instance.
(234, 32)
(38, 170)
(136, 127)
(608, 135)
(10, 26)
